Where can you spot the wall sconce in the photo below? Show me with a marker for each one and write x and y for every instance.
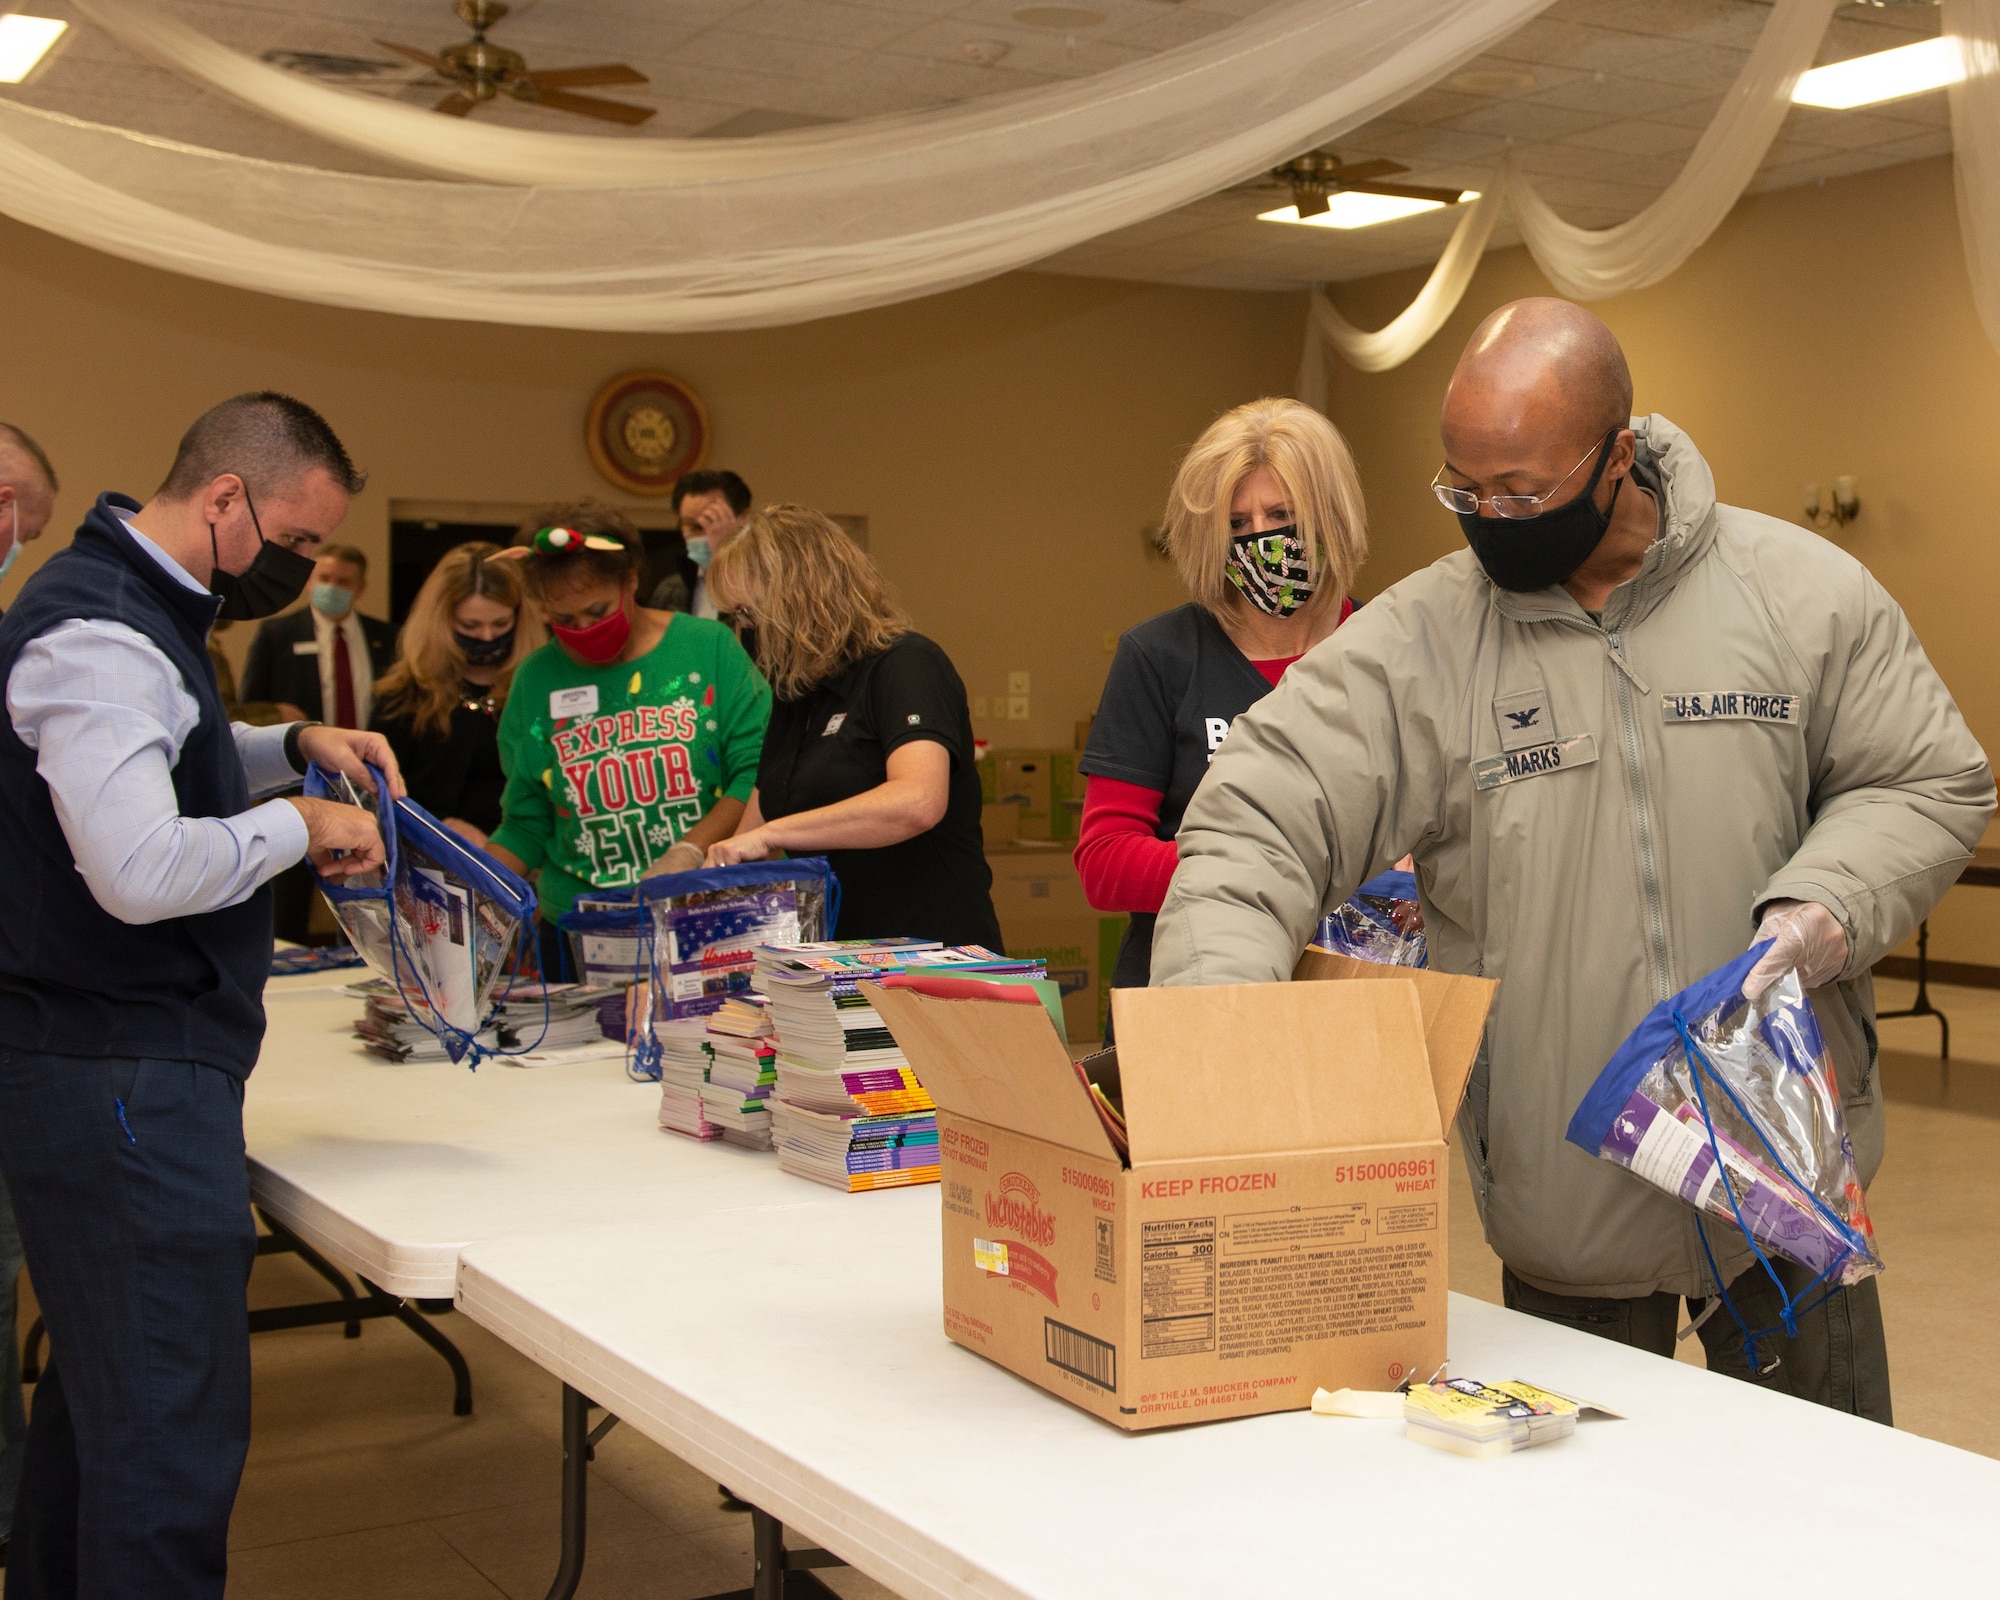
(1838, 512)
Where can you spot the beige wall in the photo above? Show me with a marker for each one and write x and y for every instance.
(1007, 442)
(1820, 331)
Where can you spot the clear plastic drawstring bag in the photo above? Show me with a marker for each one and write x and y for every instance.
(441, 920)
(1381, 922)
(1733, 1108)
(702, 929)
(604, 938)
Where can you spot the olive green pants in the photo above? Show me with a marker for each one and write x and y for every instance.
(1839, 1359)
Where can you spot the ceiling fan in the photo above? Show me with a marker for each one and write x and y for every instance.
(480, 71)
(1319, 174)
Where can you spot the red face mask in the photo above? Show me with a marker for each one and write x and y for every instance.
(602, 642)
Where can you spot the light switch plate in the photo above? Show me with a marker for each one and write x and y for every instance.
(1017, 708)
(1017, 683)
(979, 705)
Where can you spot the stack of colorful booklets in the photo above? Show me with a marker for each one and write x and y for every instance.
(848, 1110)
(717, 1075)
(684, 1060)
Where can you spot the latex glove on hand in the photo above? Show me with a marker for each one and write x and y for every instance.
(684, 856)
(1806, 937)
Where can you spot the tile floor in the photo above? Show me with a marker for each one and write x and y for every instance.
(362, 1484)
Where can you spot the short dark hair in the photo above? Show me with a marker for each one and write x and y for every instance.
(557, 569)
(732, 489)
(268, 439)
(352, 554)
(26, 441)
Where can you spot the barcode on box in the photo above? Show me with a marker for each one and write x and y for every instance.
(1074, 1351)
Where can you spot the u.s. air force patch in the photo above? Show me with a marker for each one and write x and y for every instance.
(1579, 750)
(1731, 705)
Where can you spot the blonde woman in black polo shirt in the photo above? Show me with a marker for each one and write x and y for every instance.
(868, 759)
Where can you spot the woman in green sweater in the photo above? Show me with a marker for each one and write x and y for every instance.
(630, 741)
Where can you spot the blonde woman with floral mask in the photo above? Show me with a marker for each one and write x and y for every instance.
(1266, 524)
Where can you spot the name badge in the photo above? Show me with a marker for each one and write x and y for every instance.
(1731, 705)
(306, 647)
(578, 702)
(1579, 750)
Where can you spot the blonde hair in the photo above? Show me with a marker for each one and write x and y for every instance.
(1312, 461)
(817, 602)
(427, 679)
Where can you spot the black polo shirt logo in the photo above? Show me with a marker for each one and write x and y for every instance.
(833, 724)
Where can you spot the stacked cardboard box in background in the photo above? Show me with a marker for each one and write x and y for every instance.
(1040, 789)
(1044, 917)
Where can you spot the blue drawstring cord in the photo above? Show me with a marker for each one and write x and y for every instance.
(1789, 1309)
(130, 1136)
(642, 1045)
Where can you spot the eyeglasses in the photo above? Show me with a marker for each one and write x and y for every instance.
(1466, 502)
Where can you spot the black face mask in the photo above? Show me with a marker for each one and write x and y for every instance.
(1529, 553)
(271, 582)
(484, 652)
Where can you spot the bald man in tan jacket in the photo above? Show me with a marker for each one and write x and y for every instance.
(1628, 730)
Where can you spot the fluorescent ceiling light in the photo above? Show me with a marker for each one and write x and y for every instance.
(1353, 209)
(23, 42)
(1886, 75)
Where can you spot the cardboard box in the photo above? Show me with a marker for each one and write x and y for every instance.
(1042, 785)
(999, 824)
(1043, 914)
(1281, 1224)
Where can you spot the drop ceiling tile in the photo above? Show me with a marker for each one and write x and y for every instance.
(1029, 49)
(1426, 145)
(1560, 160)
(1525, 121)
(1706, 69)
(864, 27)
(1637, 137)
(786, 58)
(1610, 95)
(1693, 116)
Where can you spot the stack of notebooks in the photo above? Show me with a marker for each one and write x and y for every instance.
(1486, 1419)
(716, 1083)
(684, 1060)
(849, 1112)
(566, 1028)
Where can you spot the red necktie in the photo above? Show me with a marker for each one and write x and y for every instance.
(343, 681)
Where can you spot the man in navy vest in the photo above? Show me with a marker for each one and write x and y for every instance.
(135, 937)
(27, 497)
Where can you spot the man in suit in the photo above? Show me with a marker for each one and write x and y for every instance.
(712, 508)
(320, 664)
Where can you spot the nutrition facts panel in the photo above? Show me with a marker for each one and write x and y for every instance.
(1177, 1287)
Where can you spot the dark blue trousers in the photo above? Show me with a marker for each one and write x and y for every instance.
(129, 1185)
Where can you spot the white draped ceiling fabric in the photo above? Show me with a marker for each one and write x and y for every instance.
(753, 233)
(1975, 134)
(1593, 264)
